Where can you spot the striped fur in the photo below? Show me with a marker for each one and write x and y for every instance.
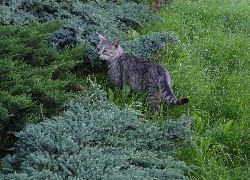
(141, 75)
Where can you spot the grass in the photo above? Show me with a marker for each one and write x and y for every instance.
(211, 66)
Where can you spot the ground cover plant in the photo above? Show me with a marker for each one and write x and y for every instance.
(94, 139)
(212, 66)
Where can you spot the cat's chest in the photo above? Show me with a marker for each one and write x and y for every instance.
(114, 73)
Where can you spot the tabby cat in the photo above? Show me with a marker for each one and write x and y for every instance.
(141, 75)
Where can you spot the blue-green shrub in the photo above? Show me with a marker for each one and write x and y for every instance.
(94, 139)
(83, 20)
(146, 45)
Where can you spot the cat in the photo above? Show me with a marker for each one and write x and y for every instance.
(141, 75)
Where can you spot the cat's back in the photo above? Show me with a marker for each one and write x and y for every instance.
(139, 65)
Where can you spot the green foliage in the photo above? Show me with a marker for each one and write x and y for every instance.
(147, 44)
(34, 76)
(125, 92)
(83, 20)
(212, 66)
(93, 138)
(31, 74)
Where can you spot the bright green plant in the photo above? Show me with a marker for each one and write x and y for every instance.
(212, 66)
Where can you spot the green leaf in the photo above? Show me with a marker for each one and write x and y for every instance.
(125, 91)
(101, 2)
(110, 95)
(133, 34)
(198, 122)
(228, 125)
(240, 108)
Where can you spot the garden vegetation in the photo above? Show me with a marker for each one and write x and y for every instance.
(57, 123)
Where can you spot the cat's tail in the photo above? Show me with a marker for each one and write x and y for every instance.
(169, 96)
(173, 100)
(167, 92)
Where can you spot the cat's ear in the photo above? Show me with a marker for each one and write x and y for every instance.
(101, 38)
(116, 43)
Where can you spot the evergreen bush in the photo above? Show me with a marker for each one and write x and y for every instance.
(94, 139)
(31, 74)
(146, 45)
(34, 73)
(83, 20)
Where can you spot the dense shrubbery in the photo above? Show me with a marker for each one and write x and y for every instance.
(83, 20)
(31, 74)
(42, 44)
(93, 139)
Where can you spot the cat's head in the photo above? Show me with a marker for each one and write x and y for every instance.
(108, 50)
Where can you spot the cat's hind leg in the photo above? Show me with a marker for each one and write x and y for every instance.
(154, 100)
